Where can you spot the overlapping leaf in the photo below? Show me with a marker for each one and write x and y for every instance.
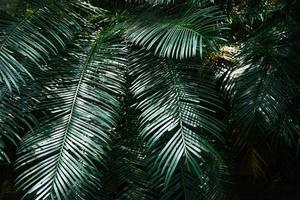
(32, 38)
(256, 88)
(27, 44)
(196, 31)
(82, 90)
(14, 112)
(177, 121)
(127, 176)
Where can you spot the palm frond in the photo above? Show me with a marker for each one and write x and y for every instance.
(26, 43)
(126, 176)
(177, 121)
(83, 91)
(33, 38)
(257, 89)
(184, 37)
(46, 34)
(14, 112)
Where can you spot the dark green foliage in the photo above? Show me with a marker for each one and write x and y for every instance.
(14, 111)
(197, 30)
(177, 122)
(261, 85)
(77, 135)
(140, 99)
(23, 40)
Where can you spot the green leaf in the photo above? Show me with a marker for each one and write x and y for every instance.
(178, 37)
(33, 38)
(14, 118)
(61, 159)
(176, 120)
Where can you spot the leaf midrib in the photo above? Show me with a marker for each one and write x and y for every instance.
(84, 69)
(179, 111)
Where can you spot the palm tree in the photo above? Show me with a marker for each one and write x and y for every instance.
(143, 99)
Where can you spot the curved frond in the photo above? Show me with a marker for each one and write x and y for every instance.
(258, 91)
(184, 37)
(32, 38)
(42, 38)
(177, 122)
(83, 91)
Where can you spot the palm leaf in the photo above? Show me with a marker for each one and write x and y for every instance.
(60, 159)
(33, 38)
(176, 120)
(14, 116)
(43, 37)
(127, 176)
(187, 36)
(257, 90)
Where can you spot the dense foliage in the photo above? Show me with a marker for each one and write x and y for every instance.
(146, 99)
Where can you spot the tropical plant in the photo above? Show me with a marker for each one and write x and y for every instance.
(143, 99)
